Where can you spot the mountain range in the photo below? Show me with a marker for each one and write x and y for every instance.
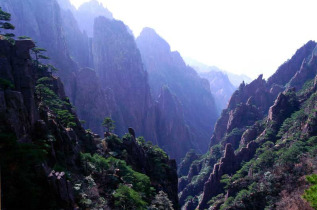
(94, 118)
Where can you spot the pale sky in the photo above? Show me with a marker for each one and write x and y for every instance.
(240, 36)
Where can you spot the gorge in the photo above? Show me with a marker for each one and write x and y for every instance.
(125, 123)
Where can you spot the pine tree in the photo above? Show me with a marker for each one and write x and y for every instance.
(6, 25)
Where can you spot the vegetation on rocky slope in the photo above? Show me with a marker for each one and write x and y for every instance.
(271, 127)
(49, 161)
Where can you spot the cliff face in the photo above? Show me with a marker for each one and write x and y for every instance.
(119, 66)
(220, 87)
(172, 133)
(45, 154)
(167, 68)
(92, 102)
(77, 42)
(288, 69)
(257, 116)
(87, 13)
(117, 85)
(42, 20)
(252, 100)
(32, 138)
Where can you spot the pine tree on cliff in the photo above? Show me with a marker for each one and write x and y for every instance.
(38, 55)
(108, 123)
(4, 24)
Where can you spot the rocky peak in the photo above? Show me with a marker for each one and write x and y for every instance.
(306, 72)
(228, 164)
(119, 66)
(150, 42)
(87, 13)
(288, 69)
(247, 105)
(167, 68)
(220, 87)
(66, 5)
(229, 152)
(285, 104)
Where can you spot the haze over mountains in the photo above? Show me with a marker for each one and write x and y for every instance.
(109, 129)
(99, 61)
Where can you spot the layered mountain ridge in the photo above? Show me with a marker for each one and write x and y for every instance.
(257, 116)
(166, 68)
(121, 87)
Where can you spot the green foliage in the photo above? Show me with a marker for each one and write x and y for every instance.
(292, 154)
(235, 132)
(5, 84)
(127, 198)
(139, 182)
(49, 98)
(306, 87)
(38, 55)
(23, 37)
(66, 118)
(311, 194)
(6, 25)
(108, 123)
(265, 160)
(216, 151)
(216, 198)
(227, 203)
(276, 167)
(140, 140)
(226, 180)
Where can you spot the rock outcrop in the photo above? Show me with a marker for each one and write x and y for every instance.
(92, 102)
(119, 66)
(86, 14)
(288, 69)
(220, 87)
(229, 164)
(252, 100)
(43, 144)
(29, 122)
(255, 114)
(42, 21)
(166, 68)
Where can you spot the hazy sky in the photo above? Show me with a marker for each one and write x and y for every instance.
(241, 36)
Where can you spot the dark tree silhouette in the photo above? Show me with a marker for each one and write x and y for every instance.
(5, 24)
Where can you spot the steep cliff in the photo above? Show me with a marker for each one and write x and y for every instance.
(119, 66)
(47, 159)
(166, 68)
(42, 20)
(252, 132)
(220, 87)
(117, 83)
(86, 14)
(172, 132)
(35, 138)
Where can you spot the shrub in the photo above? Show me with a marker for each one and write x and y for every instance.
(127, 198)
(311, 194)
(5, 84)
